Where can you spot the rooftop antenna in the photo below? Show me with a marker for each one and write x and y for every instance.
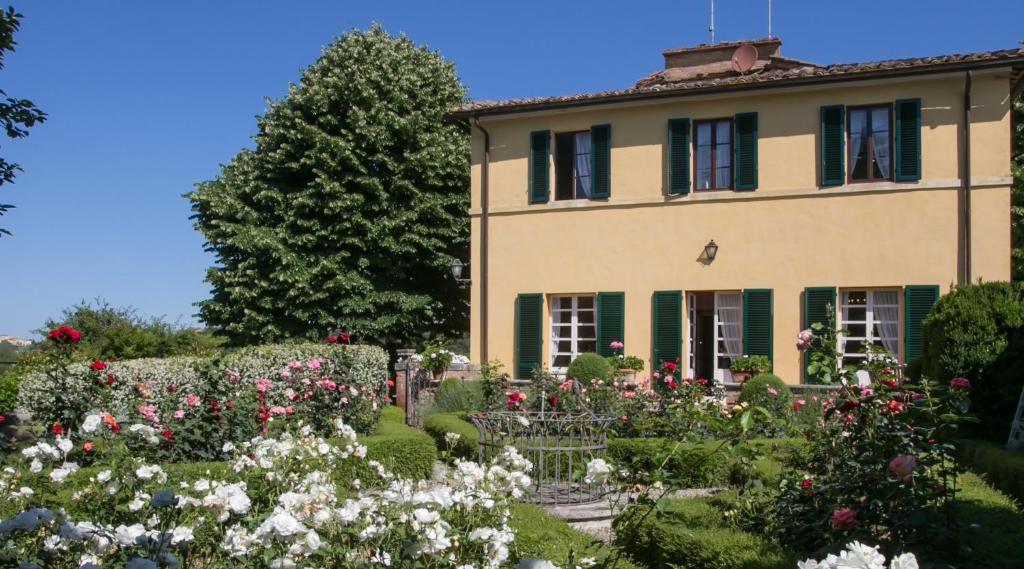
(711, 28)
(769, 19)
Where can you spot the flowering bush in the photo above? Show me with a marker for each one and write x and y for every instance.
(279, 507)
(860, 556)
(189, 407)
(879, 465)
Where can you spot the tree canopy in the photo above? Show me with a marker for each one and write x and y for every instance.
(16, 115)
(350, 208)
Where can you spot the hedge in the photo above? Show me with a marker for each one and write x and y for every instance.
(698, 465)
(405, 451)
(1003, 469)
(691, 534)
(977, 332)
(458, 395)
(543, 536)
(440, 424)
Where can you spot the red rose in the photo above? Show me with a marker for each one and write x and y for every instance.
(98, 365)
(890, 383)
(849, 404)
(171, 388)
(807, 485)
(669, 367)
(3, 419)
(932, 441)
(343, 337)
(895, 407)
(111, 379)
(88, 447)
(960, 384)
(553, 400)
(57, 429)
(844, 518)
(65, 335)
(332, 339)
(168, 434)
(391, 384)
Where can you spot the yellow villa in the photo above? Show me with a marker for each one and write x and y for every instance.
(726, 202)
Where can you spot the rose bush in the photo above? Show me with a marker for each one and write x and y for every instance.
(277, 507)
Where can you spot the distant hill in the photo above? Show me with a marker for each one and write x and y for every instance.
(15, 341)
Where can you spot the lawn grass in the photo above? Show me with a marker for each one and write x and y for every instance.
(993, 526)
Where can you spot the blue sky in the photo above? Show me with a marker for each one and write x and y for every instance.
(147, 98)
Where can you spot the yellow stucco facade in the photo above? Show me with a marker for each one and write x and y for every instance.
(789, 234)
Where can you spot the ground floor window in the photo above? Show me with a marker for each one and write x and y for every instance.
(573, 330)
(869, 317)
(715, 333)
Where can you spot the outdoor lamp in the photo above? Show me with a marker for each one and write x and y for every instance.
(710, 250)
(456, 268)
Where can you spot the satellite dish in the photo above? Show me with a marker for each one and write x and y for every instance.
(744, 58)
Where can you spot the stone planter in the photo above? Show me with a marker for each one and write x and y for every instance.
(626, 376)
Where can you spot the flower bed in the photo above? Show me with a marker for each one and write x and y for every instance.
(185, 408)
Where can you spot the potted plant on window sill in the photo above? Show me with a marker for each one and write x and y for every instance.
(745, 367)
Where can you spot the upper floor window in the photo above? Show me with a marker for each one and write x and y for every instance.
(572, 165)
(870, 143)
(714, 154)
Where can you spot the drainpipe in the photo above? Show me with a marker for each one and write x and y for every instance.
(484, 213)
(966, 272)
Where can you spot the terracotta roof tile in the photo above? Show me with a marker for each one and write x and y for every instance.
(651, 86)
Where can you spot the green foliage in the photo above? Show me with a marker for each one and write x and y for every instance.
(769, 392)
(692, 534)
(436, 358)
(119, 333)
(16, 115)
(438, 425)
(752, 364)
(543, 536)
(588, 367)
(351, 206)
(403, 450)
(1003, 469)
(456, 394)
(617, 362)
(493, 384)
(1017, 192)
(977, 332)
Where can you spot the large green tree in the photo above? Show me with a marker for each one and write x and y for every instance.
(351, 207)
(16, 115)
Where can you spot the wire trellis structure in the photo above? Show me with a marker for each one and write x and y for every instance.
(559, 445)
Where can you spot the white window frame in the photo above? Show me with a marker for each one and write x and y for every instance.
(721, 375)
(725, 374)
(870, 321)
(574, 325)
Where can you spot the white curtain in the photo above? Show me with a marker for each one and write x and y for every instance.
(556, 329)
(888, 319)
(582, 165)
(858, 129)
(880, 139)
(730, 310)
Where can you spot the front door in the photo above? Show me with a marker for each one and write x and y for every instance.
(705, 352)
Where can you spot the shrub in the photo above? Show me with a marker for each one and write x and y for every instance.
(588, 367)
(1002, 468)
(771, 393)
(543, 536)
(405, 451)
(439, 425)
(977, 332)
(691, 534)
(457, 395)
(494, 383)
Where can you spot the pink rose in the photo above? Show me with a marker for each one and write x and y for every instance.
(263, 385)
(615, 345)
(148, 411)
(278, 410)
(289, 410)
(192, 400)
(844, 518)
(328, 385)
(799, 404)
(903, 466)
(179, 414)
(804, 339)
(313, 363)
(960, 384)
(772, 391)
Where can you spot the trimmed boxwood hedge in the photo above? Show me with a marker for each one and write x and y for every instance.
(543, 536)
(440, 424)
(1003, 469)
(403, 450)
(691, 534)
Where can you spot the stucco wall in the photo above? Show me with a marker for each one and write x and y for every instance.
(787, 235)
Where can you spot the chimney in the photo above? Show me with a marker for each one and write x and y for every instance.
(715, 60)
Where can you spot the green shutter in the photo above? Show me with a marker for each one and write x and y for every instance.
(666, 327)
(540, 149)
(529, 334)
(601, 161)
(908, 140)
(757, 322)
(611, 320)
(819, 308)
(833, 138)
(917, 302)
(679, 156)
(745, 145)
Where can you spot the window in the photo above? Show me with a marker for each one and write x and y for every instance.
(870, 317)
(870, 141)
(573, 330)
(572, 165)
(729, 323)
(714, 154)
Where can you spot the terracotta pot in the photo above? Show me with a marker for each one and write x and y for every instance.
(742, 376)
(439, 375)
